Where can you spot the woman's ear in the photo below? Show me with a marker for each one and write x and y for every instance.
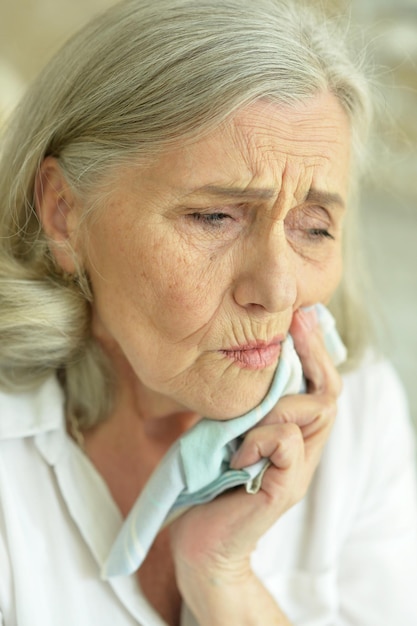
(58, 212)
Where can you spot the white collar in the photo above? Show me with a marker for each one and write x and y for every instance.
(29, 413)
(39, 413)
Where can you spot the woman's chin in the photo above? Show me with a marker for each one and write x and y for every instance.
(241, 399)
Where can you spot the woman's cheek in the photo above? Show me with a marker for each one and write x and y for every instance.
(181, 295)
(317, 282)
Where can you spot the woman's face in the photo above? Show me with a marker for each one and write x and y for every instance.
(199, 260)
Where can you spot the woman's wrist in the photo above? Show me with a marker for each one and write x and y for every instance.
(228, 595)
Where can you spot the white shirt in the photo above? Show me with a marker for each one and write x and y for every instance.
(344, 556)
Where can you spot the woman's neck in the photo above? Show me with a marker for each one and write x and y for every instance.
(127, 446)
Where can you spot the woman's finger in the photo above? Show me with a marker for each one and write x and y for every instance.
(318, 368)
(305, 418)
(303, 410)
(281, 443)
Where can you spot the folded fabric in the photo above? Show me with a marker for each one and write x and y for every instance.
(196, 468)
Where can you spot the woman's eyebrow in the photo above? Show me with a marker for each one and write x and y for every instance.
(260, 193)
(256, 193)
(325, 197)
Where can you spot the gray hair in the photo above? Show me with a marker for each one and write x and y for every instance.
(134, 80)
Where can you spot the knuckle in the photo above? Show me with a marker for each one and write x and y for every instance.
(292, 432)
(330, 384)
(329, 408)
(329, 400)
(282, 413)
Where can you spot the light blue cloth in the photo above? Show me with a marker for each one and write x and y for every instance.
(196, 468)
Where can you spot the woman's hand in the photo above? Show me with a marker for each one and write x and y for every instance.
(212, 543)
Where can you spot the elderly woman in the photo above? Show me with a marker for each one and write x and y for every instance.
(177, 194)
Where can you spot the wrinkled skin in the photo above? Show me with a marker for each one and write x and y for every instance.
(213, 246)
(181, 274)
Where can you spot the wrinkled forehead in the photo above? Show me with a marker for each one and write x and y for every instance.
(263, 150)
(311, 127)
(261, 142)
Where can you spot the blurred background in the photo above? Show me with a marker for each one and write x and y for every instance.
(31, 31)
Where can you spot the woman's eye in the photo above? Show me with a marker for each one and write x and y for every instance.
(309, 224)
(318, 233)
(210, 219)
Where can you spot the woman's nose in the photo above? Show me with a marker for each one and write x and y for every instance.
(267, 276)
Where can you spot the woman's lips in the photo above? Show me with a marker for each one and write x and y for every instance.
(256, 356)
